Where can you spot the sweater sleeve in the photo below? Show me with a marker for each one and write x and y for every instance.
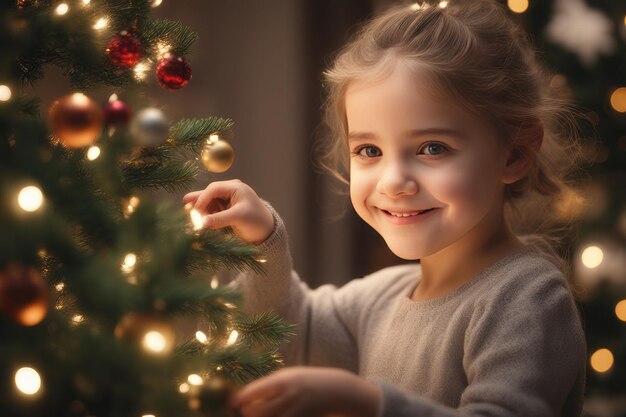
(325, 320)
(524, 352)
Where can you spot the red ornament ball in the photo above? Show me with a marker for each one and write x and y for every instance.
(173, 72)
(124, 50)
(24, 295)
(116, 113)
(76, 120)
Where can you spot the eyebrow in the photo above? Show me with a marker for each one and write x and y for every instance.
(440, 131)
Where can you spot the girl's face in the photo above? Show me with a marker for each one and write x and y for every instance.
(411, 151)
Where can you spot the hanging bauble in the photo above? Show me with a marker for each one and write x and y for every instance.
(217, 156)
(116, 113)
(152, 333)
(24, 295)
(149, 127)
(173, 72)
(124, 50)
(76, 120)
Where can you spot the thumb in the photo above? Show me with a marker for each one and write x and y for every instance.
(218, 220)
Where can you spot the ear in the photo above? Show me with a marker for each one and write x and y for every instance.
(523, 152)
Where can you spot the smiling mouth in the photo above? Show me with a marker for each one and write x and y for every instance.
(411, 214)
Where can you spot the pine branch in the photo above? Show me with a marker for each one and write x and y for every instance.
(179, 36)
(193, 133)
(266, 329)
(171, 176)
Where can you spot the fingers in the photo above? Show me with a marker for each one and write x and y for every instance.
(262, 389)
(222, 190)
(191, 197)
(220, 219)
(271, 407)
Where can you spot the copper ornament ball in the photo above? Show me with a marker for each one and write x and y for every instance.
(24, 295)
(76, 120)
(218, 156)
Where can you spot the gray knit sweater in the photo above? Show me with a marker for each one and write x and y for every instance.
(508, 342)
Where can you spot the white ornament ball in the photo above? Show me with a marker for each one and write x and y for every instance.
(149, 127)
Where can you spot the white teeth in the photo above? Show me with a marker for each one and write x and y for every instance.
(404, 214)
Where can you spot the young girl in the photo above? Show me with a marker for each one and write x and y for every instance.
(441, 114)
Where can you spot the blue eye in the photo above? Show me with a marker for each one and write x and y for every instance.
(435, 148)
(370, 151)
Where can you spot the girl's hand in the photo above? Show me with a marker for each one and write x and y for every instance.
(308, 392)
(233, 203)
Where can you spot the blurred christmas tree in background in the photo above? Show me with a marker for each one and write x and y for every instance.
(584, 43)
(97, 279)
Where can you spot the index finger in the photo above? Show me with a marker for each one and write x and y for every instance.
(214, 191)
(191, 197)
(262, 389)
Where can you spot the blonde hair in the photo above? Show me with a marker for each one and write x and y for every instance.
(474, 53)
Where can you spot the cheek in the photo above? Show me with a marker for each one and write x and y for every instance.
(468, 183)
(360, 189)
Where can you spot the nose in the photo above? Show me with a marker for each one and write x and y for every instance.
(396, 180)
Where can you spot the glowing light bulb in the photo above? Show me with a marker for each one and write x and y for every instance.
(214, 137)
(156, 3)
(620, 310)
(194, 379)
(163, 48)
(618, 100)
(59, 287)
(93, 153)
(129, 262)
(592, 257)
(30, 198)
(148, 415)
(215, 282)
(61, 9)
(518, 6)
(184, 388)
(201, 337)
(78, 318)
(154, 341)
(196, 219)
(27, 380)
(101, 23)
(601, 360)
(232, 338)
(415, 7)
(86, 2)
(443, 4)
(141, 70)
(5, 93)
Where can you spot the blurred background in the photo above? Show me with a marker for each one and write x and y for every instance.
(260, 64)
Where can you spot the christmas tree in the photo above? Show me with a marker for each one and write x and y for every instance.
(97, 279)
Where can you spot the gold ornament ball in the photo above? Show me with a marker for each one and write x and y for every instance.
(218, 156)
(24, 295)
(76, 120)
(148, 331)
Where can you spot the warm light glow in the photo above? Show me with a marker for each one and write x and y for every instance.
(112, 98)
(86, 2)
(27, 380)
(618, 100)
(620, 310)
(232, 338)
(154, 341)
(184, 387)
(215, 282)
(260, 259)
(101, 23)
(443, 4)
(214, 137)
(93, 153)
(141, 70)
(415, 7)
(601, 360)
(30, 198)
(518, 6)
(78, 318)
(62, 9)
(129, 262)
(5, 93)
(156, 3)
(133, 203)
(229, 305)
(59, 287)
(592, 257)
(163, 48)
(196, 219)
(201, 337)
(194, 379)
(148, 415)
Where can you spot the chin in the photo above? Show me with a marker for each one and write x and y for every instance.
(405, 251)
